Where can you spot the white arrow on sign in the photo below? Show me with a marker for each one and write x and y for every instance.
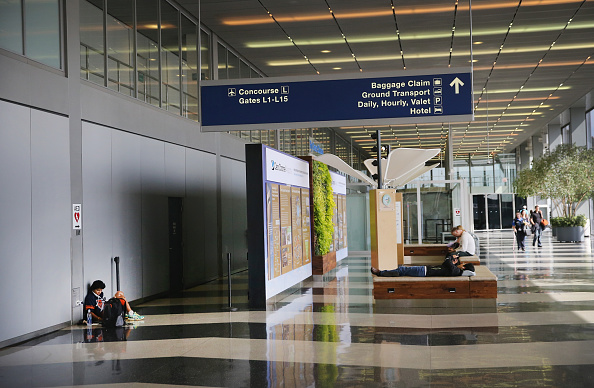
(456, 83)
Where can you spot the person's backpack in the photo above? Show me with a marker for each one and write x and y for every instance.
(113, 313)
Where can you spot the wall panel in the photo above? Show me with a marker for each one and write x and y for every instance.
(194, 219)
(15, 220)
(97, 208)
(209, 224)
(51, 215)
(175, 170)
(227, 210)
(154, 232)
(126, 224)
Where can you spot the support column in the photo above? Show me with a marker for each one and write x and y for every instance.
(72, 61)
(537, 146)
(449, 156)
(555, 138)
(578, 130)
(577, 126)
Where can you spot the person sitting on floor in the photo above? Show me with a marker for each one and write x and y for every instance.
(449, 267)
(95, 301)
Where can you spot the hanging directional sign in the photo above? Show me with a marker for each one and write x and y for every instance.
(362, 99)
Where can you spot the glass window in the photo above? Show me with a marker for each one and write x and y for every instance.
(256, 137)
(493, 211)
(92, 65)
(189, 69)
(222, 61)
(42, 31)
(205, 56)
(244, 70)
(232, 65)
(120, 46)
(342, 149)
(268, 137)
(147, 57)
(170, 59)
(254, 74)
(11, 26)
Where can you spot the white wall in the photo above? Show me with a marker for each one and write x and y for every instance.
(127, 180)
(234, 212)
(34, 220)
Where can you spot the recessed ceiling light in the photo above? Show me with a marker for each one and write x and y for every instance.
(473, 61)
(478, 42)
(337, 68)
(326, 51)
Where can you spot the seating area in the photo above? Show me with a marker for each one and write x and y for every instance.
(481, 287)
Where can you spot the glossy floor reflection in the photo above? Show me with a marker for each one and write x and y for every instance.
(329, 333)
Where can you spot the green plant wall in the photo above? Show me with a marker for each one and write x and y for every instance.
(323, 206)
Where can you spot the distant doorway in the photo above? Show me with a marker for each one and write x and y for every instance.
(494, 211)
(176, 245)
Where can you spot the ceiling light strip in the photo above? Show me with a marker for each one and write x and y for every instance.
(453, 31)
(550, 96)
(288, 36)
(492, 68)
(536, 67)
(498, 53)
(343, 35)
(398, 35)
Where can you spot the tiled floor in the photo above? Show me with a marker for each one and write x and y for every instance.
(541, 334)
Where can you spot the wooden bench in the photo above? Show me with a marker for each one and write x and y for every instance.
(431, 254)
(481, 286)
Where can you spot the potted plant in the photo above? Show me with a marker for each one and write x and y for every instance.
(323, 210)
(569, 228)
(566, 177)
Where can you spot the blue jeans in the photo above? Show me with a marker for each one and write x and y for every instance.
(520, 236)
(415, 270)
(537, 234)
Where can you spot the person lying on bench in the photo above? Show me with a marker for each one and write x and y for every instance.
(449, 267)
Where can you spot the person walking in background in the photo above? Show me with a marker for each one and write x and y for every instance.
(524, 212)
(535, 222)
(519, 226)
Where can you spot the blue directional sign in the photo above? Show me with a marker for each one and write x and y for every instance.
(303, 102)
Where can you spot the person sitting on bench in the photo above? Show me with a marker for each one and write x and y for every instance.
(449, 267)
(464, 245)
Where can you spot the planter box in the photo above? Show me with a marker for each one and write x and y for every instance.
(570, 233)
(322, 264)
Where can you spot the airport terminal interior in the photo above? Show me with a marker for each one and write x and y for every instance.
(113, 170)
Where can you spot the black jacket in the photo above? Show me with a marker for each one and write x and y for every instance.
(447, 268)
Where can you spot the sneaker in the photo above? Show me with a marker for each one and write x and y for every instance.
(134, 317)
(375, 271)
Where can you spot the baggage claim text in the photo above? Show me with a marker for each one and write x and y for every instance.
(387, 92)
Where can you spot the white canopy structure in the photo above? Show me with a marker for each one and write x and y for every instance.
(334, 161)
(402, 166)
(412, 175)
